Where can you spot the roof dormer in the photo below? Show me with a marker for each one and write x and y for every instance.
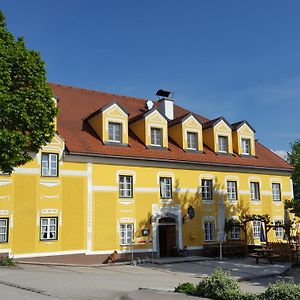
(243, 139)
(186, 131)
(151, 128)
(111, 124)
(217, 135)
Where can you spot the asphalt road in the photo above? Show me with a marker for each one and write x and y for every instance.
(116, 282)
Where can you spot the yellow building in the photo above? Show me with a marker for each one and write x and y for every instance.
(121, 167)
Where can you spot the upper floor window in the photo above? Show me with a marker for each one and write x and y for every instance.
(208, 231)
(115, 132)
(165, 187)
(231, 190)
(49, 164)
(223, 143)
(125, 186)
(246, 149)
(206, 190)
(126, 234)
(254, 190)
(156, 136)
(192, 140)
(3, 230)
(256, 229)
(48, 229)
(276, 192)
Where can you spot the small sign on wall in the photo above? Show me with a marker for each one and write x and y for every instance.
(145, 232)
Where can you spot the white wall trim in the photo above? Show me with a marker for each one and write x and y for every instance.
(27, 171)
(119, 251)
(104, 188)
(42, 254)
(5, 181)
(195, 248)
(147, 189)
(89, 208)
(73, 173)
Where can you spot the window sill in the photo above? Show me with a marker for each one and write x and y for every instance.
(126, 200)
(256, 202)
(277, 202)
(193, 151)
(207, 201)
(233, 201)
(110, 143)
(247, 155)
(224, 153)
(156, 147)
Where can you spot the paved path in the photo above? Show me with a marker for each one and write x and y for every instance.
(118, 282)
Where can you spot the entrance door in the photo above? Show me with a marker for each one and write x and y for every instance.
(167, 236)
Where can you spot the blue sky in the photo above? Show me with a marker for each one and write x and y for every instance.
(240, 59)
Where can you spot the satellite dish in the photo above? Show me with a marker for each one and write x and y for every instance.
(149, 104)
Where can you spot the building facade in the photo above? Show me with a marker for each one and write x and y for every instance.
(124, 171)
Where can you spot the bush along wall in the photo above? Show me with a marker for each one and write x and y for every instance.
(220, 286)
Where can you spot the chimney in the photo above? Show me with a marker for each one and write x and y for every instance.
(166, 104)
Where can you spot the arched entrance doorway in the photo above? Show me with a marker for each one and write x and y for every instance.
(167, 235)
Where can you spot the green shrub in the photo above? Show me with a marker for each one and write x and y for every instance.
(6, 261)
(186, 288)
(219, 286)
(282, 290)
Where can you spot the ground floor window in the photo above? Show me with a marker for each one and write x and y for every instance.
(235, 233)
(3, 230)
(48, 229)
(279, 232)
(126, 234)
(209, 231)
(256, 229)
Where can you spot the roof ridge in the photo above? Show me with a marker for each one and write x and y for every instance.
(97, 91)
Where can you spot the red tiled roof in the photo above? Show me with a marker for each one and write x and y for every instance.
(77, 104)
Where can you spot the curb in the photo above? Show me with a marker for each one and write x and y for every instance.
(72, 265)
(250, 277)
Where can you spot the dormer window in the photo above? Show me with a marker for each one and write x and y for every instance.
(223, 144)
(156, 137)
(192, 140)
(246, 147)
(115, 132)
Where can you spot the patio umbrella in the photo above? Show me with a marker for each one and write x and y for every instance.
(221, 224)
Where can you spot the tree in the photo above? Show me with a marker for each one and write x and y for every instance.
(294, 159)
(27, 109)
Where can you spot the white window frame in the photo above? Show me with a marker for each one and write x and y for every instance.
(46, 227)
(126, 234)
(113, 128)
(254, 191)
(125, 186)
(246, 146)
(165, 184)
(235, 233)
(49, 164)
(192, 140)
(232, 190)
(207, 189)
(209, 228)
(4, 230)
(156, 139)
(279, 231)
(256, 225)
(276, 191)
(223, 147)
